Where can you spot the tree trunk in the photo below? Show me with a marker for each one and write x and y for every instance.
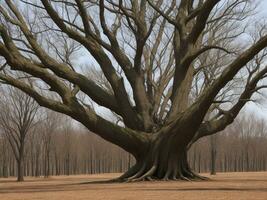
(247, 161)
(20, 170)
(20, 162)
(37, 173)
(213, 163)
(5, 171)
(47, 164)
(213, 155)
(163, 159)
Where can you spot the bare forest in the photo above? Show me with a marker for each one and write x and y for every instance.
(57, 146)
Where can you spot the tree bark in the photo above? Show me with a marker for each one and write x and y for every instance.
(164, 158)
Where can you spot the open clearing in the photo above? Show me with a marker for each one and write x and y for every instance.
(250, 186)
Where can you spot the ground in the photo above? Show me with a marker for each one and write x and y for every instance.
(236, 186)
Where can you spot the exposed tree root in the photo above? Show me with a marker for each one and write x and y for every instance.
(173, 173)
(163, 161)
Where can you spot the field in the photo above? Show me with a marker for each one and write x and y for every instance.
(250, 186)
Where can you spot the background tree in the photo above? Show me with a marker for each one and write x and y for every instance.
(5, 156)
(151, 53)
(49, 126)
(213, 153)
(17, 117)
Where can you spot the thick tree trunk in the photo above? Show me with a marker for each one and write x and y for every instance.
(163, 159)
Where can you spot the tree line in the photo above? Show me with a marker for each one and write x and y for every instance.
(56, 145)
(239, 148)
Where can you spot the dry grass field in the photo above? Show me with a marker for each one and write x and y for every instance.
(236, 186)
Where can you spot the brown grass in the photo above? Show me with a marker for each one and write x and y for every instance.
(236, 186)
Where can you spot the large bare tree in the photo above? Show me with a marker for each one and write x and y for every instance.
(176, 70)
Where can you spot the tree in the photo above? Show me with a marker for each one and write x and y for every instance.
(248, 129)
(213, 152)
(50, 124)
(67, 148)
(17, 117)
(151, 54)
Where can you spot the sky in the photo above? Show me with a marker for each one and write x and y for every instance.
(259, 109)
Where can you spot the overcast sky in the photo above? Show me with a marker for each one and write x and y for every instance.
(261, 108)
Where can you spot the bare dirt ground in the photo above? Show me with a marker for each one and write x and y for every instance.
(236, 186)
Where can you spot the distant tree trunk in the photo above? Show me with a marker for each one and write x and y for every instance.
(5, 171)
(91, 162)
(67, 165)
(213, 163)
(32, 164)
(5, 166)
(37, 167)
(47, 163)
(129, 161)
(4, 159)
(20, 170)
(20, 161)
(213, 153)
(247, 161)
(194, 158)
(56, 163)
(199, 162)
